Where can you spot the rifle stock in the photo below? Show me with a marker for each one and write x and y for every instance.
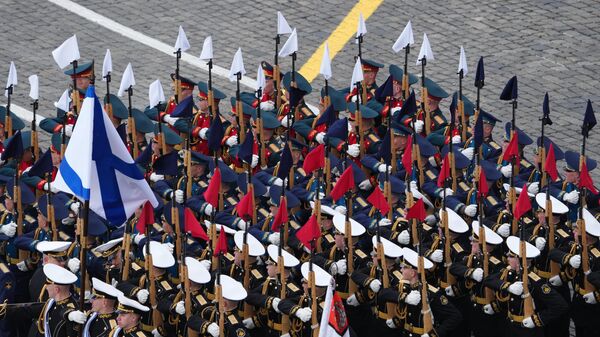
(425, 309)
(285, 319)
(450, 279)
(527, 299)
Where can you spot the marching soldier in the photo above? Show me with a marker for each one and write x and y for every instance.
(103, 317)
(129, 319)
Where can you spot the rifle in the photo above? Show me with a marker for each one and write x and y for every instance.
(363, 93)
(239, 110)
(554, 267)
(405, 85)
(262, 157)
(188, 161)
(23, 254)
(177, 79)
(461, 108)
(219, 297)
(157, 320)
(75, 93)
(8, 121)
(424, 96)
(108, 105)
(349, 246)
(131, 123)
(361, 136)
(211, 95)
(285, 319)
(126, 249)
(585, 256)
(248, 310)
(83, 257)
(425, 309)
(527, 299)
(313, 293)
(50, 208)
(488, 293)
(277, 74)
(186, 288)
(390, 306)
(34, 135)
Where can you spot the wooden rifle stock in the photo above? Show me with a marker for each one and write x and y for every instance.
(425, 309)
(527, 299)
(285, 319)
(450, 279)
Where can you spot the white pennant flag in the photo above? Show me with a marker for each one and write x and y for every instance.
(325, 69)
(66, 52)
(156, 93)
(207, 49)
(237, 65)
(462, 63)
(64, 101)
(12, 77)
(361, 30)
(405, 39)
(127, 80)
(260, 78)
(282, 25)
(106, 65)
(290, 46)
(182, 41)
(425, 51)
(34, 87)
(357, 74)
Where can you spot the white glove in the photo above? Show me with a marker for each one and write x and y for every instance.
(468, 152)
(203, 133)
(340, 209)
(416, 194)
(155, 333)
(396, 109)
(73, 264)
(384, 167)
(432, 161)
(528, 323)
(339, 267)
(231, 141)
(449, 291)
(156, 177)
(449, 192)
(471, 210)
(242, 225)
(353, 150)
(267, 105)
(572, 197)
(170, 120)
(179, 196)
(254, 160)
(375, 285)
(533, 187)
(75, 207)
(437, 256)
(50, 188)
(404, 237)
(390, 323)
(320, 137)
(352, 301)
(506, 171)
(419, 126)
(413, 298)
(208, 209)
(213, 329)
(304, 314)
(488, 309)
(385, 222)
(540, 243)
(477, 274)
(275, 304)
(22, 266)
(456, 139)
(589, 298)
(10, 229)
(248, 323)
(206, 264)
(516, 288)
(77, 317)
(425, 335)
(180, 308)
(431, 219)
(142, 295)
(365, 185)
(68, 130)
(504, 230)
(274, 238)
(284, 121)
(170, 247)
(555, 281)
(138, 238)
(575, 261)
(278, 182)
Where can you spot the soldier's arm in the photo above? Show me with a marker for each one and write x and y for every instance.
(447, 316)
(554, 304)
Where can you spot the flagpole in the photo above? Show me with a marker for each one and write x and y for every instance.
(83, 256)
(581, 225)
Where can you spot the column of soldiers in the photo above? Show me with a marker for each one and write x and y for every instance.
(472, 265)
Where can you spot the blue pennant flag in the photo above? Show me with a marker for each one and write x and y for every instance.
(386, 90)
(511, 90)
(480, 74)
(216, 133)
(478, 132)
(589, 120)
(327, 117)
(245, 153)
(286, 162)
(339, 129)
(546, 110)
(13, 147)
(166, 164)
(42, 166)
(185, 108)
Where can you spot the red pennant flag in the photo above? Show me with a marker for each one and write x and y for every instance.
(550, 167)
(309, 232)
(146, 218)
(221, 244)
(483, 186)
(282, 215)
(444, 173)
(244, 207)
(378, 200)
(523, 203)
(512, 150)
(407, 156)
(344, 184)
(192, 225)
(315, 159)
(585, 180)
(417, 211)
(211, 195)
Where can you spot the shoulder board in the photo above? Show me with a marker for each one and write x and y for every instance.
(494, 145)
(263, 212)
(203, 184)
(166, 285)
(492, 200)
(232, 319)
(527, 220)
(4, 268)
(595, 252)
(361, 201)
(432, 288)
(360, 254)
(430, 174)
(292, 287)
(201, 299)
(329, 238)
(97, 254)
(426, 227)
(397, 274)
(294, 224)
(232, 201)
(464, 186)
(494, 260)
(274, 148)
(373, 137)
(135, 266)
(457, 247)
(562, 233)
(301, 171)
(534, 276)
(438, 119)
(525, 164)
(140, 334)
(229, 257)
(64, 236)
(306, 111)
(256, 274)
(29, 219)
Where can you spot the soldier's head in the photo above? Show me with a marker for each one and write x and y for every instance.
(58, 281)
(233, 292)
(370, 69)
(269, 73)
(104, 297)
(187, 86)
(410, 264)
(130, 312)
(516, 251)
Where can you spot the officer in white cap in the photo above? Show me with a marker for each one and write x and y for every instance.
(54, 252)
(129, 318)
(198, 276)
(108, 261)
(255, 250)
(103, 317)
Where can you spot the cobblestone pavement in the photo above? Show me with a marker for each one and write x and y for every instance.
(551, 45)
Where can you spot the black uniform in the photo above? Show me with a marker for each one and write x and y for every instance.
(100, 325)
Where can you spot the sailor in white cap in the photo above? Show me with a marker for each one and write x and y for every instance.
(106, 261)
(545, 304)
(409, 301)
(129, 318)
(54, 252)
(255, 250)
(268, 295)
(103, 317)
(206, 321)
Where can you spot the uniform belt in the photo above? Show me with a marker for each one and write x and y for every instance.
(515, 318)
(147, 328)
(542, 273)
(379, 314)
(239, 169)
(480, 300)
(274, 326)
(581, 291)
(414, 329)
